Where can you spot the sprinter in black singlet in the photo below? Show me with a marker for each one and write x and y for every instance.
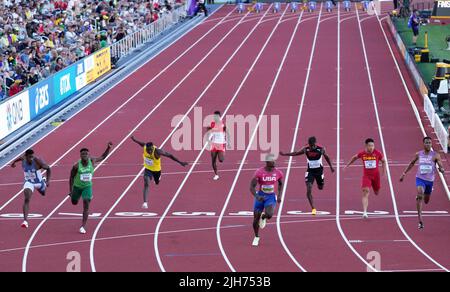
(314, 154)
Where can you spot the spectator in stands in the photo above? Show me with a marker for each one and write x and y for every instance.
(16, 87)
(39, 37)
(2, 91)
(120, 34)
(59, 64)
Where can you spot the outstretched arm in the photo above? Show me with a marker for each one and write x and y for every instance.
(354, 158)
(327, 158)
(410, 165)
(168, 155)
(19, 159)
(104, 155)
(297, 153)
(142, 144)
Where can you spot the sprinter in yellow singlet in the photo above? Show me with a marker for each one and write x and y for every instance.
(152, 163)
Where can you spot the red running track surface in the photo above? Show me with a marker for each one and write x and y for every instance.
(244, 65)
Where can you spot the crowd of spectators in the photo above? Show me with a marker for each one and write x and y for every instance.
(41, 37)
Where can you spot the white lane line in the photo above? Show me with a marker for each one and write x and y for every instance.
(167, 139)
(269, 96)
(411, 100)
(294, 141)
(181, 173)
(347, 218)
(338, 154)
(380, 131)
(121, 106)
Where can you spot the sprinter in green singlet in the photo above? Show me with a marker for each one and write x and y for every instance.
(81, 181)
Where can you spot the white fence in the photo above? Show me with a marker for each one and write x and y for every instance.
(129, 43)
(441, 133)
(429, 109)
(436, 123)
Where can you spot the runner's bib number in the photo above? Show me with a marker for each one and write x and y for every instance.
(86, 177)
(370, 164)
(148, 162)
(426, 169)
(268, 189)
(314, 164)
(30, 176)
(218, 138)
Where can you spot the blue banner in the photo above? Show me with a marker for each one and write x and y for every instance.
(64, 83)
(41, 98)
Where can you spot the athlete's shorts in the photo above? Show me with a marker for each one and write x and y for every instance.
(40, 187)
(269, 200)
(426, 185)
(218, 147)
(156, 175)
(311, 176)
(85, 193)
(372, 181)
(415, 31)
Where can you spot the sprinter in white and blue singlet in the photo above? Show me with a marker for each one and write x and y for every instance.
(425, 175)
(314, 154)
(32, 166)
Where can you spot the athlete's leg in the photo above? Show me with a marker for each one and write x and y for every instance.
(309, 187)
(376, 184)
(147, 180)
(309, 180)
(320, 179)
(419, 200)
(427, 193)
(43, 188)
(268, 213)
(26, 204)
(86, 204)
(214, 156)
(256, 216)
(75, 196)
(221, 156)
(365, 199)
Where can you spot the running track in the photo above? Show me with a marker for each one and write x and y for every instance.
(250, 65)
